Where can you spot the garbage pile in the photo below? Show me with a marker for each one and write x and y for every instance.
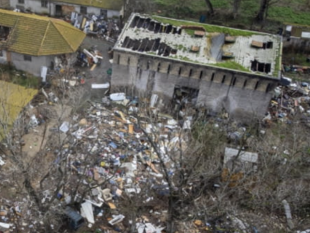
(109, 149)
(89, 58)
(96, 25)
(126, 163)
(105, 149)
(296, 68)
(289, 101)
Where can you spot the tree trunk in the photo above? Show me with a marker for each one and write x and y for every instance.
(209, 4)
(236, 6)
(262, 10)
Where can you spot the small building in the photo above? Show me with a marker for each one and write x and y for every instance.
(219, 67)
(240, 160)
(30, 42)
(109, 8)
(238, 163)
(298, 37)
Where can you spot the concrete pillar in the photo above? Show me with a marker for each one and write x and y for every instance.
(164, 67)
(154, 65)
(251, 83)
(185, 71)
(196, 73)
(143, 63)
(228, 79)
(174, 69)
(217, 78)
(133, 60)
(262, 86)
(239, 81)
(123, 60)
(116, 57)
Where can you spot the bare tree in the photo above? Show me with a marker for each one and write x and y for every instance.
(210, 7)
(236, 7)
(263, 9)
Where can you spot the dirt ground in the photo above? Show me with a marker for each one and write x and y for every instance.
(38, 136)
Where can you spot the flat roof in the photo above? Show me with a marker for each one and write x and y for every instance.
(249, 51)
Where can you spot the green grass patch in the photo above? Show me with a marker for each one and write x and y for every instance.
(26, 81)
(278, 62)
(186, 59)
(277, 66)
(10, 74)
(181, 48)
(207, 27)
(289, 15)
(231, 65)
(217, 4)
(190, 32)
(299, 59)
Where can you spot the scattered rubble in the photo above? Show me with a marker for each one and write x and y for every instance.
(126, 164)
(96, 25)
(290, 101)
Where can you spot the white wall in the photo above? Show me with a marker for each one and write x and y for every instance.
(113, 13)
(33, 5)
(3, 57)
(33, 66)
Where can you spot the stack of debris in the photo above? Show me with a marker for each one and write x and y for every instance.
(97, 25)
(125, 162)
(290, 100)
(89, 58)
(106, 148)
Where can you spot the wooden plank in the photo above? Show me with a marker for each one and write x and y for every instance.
(257, 44)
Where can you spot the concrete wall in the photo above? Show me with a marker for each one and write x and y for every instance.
(5, 4)
(35, 6)
(239, 93)
(112, 13)
(33, 66)
(90, 10)
(297, 45)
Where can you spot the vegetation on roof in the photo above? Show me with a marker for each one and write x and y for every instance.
(231, 65)
(207, 27)
(36, 35)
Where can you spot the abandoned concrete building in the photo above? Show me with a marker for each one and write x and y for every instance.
(212, 66)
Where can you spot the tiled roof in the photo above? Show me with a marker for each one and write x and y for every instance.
(37, 35)
(104, 4)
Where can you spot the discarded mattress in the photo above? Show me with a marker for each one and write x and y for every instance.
(117, 96)
(100, 86)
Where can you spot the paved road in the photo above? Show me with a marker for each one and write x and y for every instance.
(99, 74)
